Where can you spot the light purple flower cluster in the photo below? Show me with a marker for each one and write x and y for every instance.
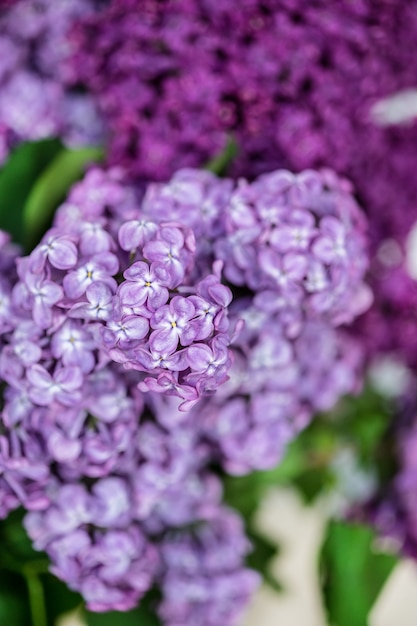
(34, 102)
(294, 253)
(276, 385)
(298, 242)
(203, 581)
(104, 469)
(118, 323)
(152, 319)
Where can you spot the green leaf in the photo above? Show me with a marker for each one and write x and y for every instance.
(58, 598)
(51, 188)
(221, 162)
(14, 601)
(16, 547)
(17, 177)
(262, 553)
(352, 572)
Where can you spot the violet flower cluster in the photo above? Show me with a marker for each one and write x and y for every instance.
(103, 468)
(295, 254)
(119, 322)
(393, 509)
(202, 574)
(34, 102)
(389, 327)
(294, 82)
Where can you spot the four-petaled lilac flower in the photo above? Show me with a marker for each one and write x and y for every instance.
(210, 360)
(125, 333)
(64, 386)
(287, 272)
(45, 294)
(145, 283)
(101, 267)
(296, 235)
(171, 324)
(94, 239)
(58, 249)
(135, 233)
(74, 345)
(330, 246)
(171, 249)
(99, 305)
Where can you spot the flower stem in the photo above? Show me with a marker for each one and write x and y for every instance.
(36, 598)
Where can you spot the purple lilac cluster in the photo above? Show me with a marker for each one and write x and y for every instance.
(393, 509)
(34, 102)
(294, 254)
(119, 289)
(295, 82)
(389, 327)
(118, 322)
(203, 582)
(296, 242)
(276, 385)
(104, 469)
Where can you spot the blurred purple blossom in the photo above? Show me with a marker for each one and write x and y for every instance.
(34, 101)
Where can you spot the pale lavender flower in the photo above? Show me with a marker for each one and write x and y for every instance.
(100, 267)
(205, 581)
(145, 283)
(64, 385)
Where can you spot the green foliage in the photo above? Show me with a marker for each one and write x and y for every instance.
(220, 163)
(353, 573)
(29, 594)
(14, 601)
(58, 598)
(143, 615)
(16, 548)
(17, 177)
(261, 556)
(50, 190)
(33, 182)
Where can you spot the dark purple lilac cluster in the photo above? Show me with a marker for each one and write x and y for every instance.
(389, 326)
(294, 81)
(34, 102)
(393, 510)
(118, 323)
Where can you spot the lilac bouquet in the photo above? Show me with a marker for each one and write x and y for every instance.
(173, 342)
